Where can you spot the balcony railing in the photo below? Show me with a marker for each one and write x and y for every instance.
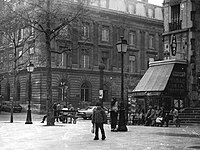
(176, 25)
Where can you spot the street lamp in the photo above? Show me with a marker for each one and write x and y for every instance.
(30, 68)
(62, 84)
(122, 48)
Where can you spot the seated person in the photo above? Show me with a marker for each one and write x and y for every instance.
(149, 116)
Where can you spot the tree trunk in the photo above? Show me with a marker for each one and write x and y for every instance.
(14, 82)
(50, 114)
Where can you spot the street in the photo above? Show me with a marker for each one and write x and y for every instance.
(38, 136)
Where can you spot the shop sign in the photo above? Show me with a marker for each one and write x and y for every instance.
(173, 45)
(178, 74)
(177, 84)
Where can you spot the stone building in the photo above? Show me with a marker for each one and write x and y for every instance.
(181, 24)
(178, 84)
(75, 73)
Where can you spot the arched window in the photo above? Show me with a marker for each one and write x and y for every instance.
(85, 92)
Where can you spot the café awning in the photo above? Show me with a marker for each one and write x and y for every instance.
(154, 80)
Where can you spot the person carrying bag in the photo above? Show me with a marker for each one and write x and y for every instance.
(98, 119)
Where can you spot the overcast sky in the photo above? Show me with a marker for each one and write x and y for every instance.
(156, 2)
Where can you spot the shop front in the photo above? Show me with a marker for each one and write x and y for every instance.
(163, 84)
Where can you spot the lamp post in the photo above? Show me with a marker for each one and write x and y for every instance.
(122, 48)
(62, 84)
(101, 68)
(30, 68)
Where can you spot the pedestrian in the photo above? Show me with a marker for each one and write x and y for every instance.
(141, 117)
(58, 108)
(71, 113)
(114, 114)
(174, 113)
(44, 118)
(54, 112)
(98, 120)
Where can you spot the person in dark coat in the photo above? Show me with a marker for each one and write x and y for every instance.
(98, 119)
(54, 112)
(149, 116)
(114, 114)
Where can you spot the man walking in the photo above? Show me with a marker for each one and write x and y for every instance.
(98, 119)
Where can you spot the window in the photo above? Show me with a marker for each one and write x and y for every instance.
(175, 18)
(104, 3)
(85, 31)
(20, 34)
(105, 34)
(62, 60)
(85, 89)
(105, 59)
(94, 2)
(132, 38)
(175, 13)
(10, 56)
(150, 13)
(151, 41)
(132, 64)
(53, 59)
(20, 53)
(85, 61)
(32, 50)
(131, 9)
(32, 30)
(64, 31)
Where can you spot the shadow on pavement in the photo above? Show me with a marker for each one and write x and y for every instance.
(194, 147)
(178, 134)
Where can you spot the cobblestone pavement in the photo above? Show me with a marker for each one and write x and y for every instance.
(38, 136)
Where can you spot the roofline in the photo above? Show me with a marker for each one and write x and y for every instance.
(166, 62)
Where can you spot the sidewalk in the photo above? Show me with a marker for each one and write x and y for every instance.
(38, 136)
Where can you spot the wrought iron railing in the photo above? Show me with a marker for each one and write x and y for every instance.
(176, 25)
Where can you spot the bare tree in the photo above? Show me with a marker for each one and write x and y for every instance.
(17, 37)
(49, 17)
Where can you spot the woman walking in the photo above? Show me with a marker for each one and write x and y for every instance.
(114, 114)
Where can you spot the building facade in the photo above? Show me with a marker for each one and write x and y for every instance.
(75, 73)
(181, 40)
(174, 81)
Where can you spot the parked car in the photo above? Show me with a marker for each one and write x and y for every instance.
(86, 113)
(6, 106)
